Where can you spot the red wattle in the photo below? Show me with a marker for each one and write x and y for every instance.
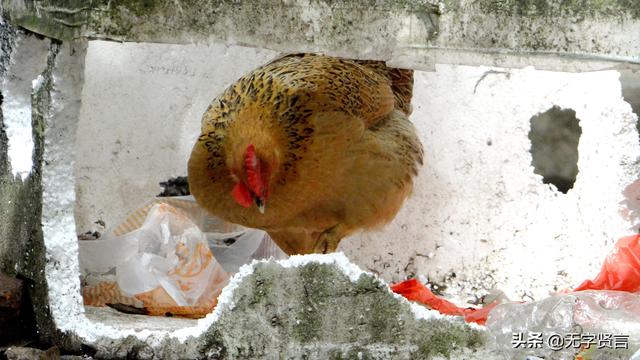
(242, 195)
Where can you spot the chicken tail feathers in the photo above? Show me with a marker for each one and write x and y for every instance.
(401, 82)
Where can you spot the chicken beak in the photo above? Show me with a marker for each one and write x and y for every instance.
(260, 204)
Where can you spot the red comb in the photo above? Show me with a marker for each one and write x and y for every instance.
(253, 170)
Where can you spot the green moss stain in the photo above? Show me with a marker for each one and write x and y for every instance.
(368, 284)
(445, 337)
(293, 311)
(164, 20)
(139, 7)
(358, 353)
(263, 286)
(381, 310)
(307, 320)
(385, 5)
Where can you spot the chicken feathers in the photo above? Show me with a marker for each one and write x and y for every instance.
(322, 145)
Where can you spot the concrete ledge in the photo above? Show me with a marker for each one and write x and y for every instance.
(562, 35)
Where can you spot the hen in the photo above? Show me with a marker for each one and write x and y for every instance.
(309, 148)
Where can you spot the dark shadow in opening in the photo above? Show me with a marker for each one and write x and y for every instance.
(554, 137)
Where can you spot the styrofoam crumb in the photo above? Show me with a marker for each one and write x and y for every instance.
(37, 82)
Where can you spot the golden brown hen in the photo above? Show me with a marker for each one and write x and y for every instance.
(322, 146)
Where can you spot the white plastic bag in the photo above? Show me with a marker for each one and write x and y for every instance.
(163, 255)
(232, 245)
(166, 255)
(554, 328)
(173, 254)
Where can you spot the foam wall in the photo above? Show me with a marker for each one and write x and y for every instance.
(479, 218)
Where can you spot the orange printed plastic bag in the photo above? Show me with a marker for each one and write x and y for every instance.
(163, 265)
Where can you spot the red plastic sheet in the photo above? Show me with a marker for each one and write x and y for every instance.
(621, 268)
(414, 290)
(620, 271)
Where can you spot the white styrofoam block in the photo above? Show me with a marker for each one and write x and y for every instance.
(119, 144)
(478, 210)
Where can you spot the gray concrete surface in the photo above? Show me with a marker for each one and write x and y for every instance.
(10, 186)
(21, 246)
(552, 34)
(317, 311)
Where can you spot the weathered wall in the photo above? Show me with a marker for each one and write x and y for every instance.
(553, 34)
(25, 105)
(9, 184)
(41, 82)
